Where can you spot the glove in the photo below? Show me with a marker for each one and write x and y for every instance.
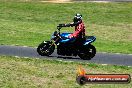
(71, 25)
(67, 25)
(61, 25)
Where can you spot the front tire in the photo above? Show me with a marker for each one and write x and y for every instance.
(46, 48)
(87, 52)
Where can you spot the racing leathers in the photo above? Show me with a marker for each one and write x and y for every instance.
(79, 31)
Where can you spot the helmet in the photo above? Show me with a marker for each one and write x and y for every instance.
(77, 17)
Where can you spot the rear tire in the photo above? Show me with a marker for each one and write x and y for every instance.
(46, 48)
(87, 52)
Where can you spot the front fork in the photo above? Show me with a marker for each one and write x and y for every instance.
(50, 45)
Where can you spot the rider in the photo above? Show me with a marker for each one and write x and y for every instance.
(79, 28)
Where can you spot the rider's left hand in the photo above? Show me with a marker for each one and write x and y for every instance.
(67, 25)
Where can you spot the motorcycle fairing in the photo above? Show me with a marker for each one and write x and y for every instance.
(65, 38)
(89, 39)
(65, 35)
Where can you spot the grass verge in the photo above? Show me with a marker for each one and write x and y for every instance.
(45, 73)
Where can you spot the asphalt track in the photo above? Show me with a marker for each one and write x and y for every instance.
(101, 58)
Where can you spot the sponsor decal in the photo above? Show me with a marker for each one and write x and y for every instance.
(83, 78)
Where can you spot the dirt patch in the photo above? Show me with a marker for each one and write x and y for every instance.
(69, 1)
(100, 1)
(130, 37)
(58, 1)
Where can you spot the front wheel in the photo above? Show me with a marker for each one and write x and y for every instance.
(46, 48)
(87, 52)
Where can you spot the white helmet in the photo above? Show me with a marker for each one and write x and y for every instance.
(77, 17)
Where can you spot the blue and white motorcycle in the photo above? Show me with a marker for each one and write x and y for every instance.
(81, 47)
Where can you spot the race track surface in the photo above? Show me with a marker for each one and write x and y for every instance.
(101, 58)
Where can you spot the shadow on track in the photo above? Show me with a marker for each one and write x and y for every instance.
(65, 57)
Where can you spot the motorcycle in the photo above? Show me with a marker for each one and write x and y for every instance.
(81, 47)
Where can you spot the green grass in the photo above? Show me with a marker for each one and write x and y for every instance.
(29, 23)
(44, 73)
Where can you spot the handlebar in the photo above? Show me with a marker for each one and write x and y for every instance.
(60, 26)
(63, 25)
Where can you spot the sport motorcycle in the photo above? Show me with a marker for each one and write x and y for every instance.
(81, 47)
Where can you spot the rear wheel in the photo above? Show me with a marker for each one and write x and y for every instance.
(46, 48)
(87, 52)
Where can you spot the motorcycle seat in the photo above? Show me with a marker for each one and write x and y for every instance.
(89, 39)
